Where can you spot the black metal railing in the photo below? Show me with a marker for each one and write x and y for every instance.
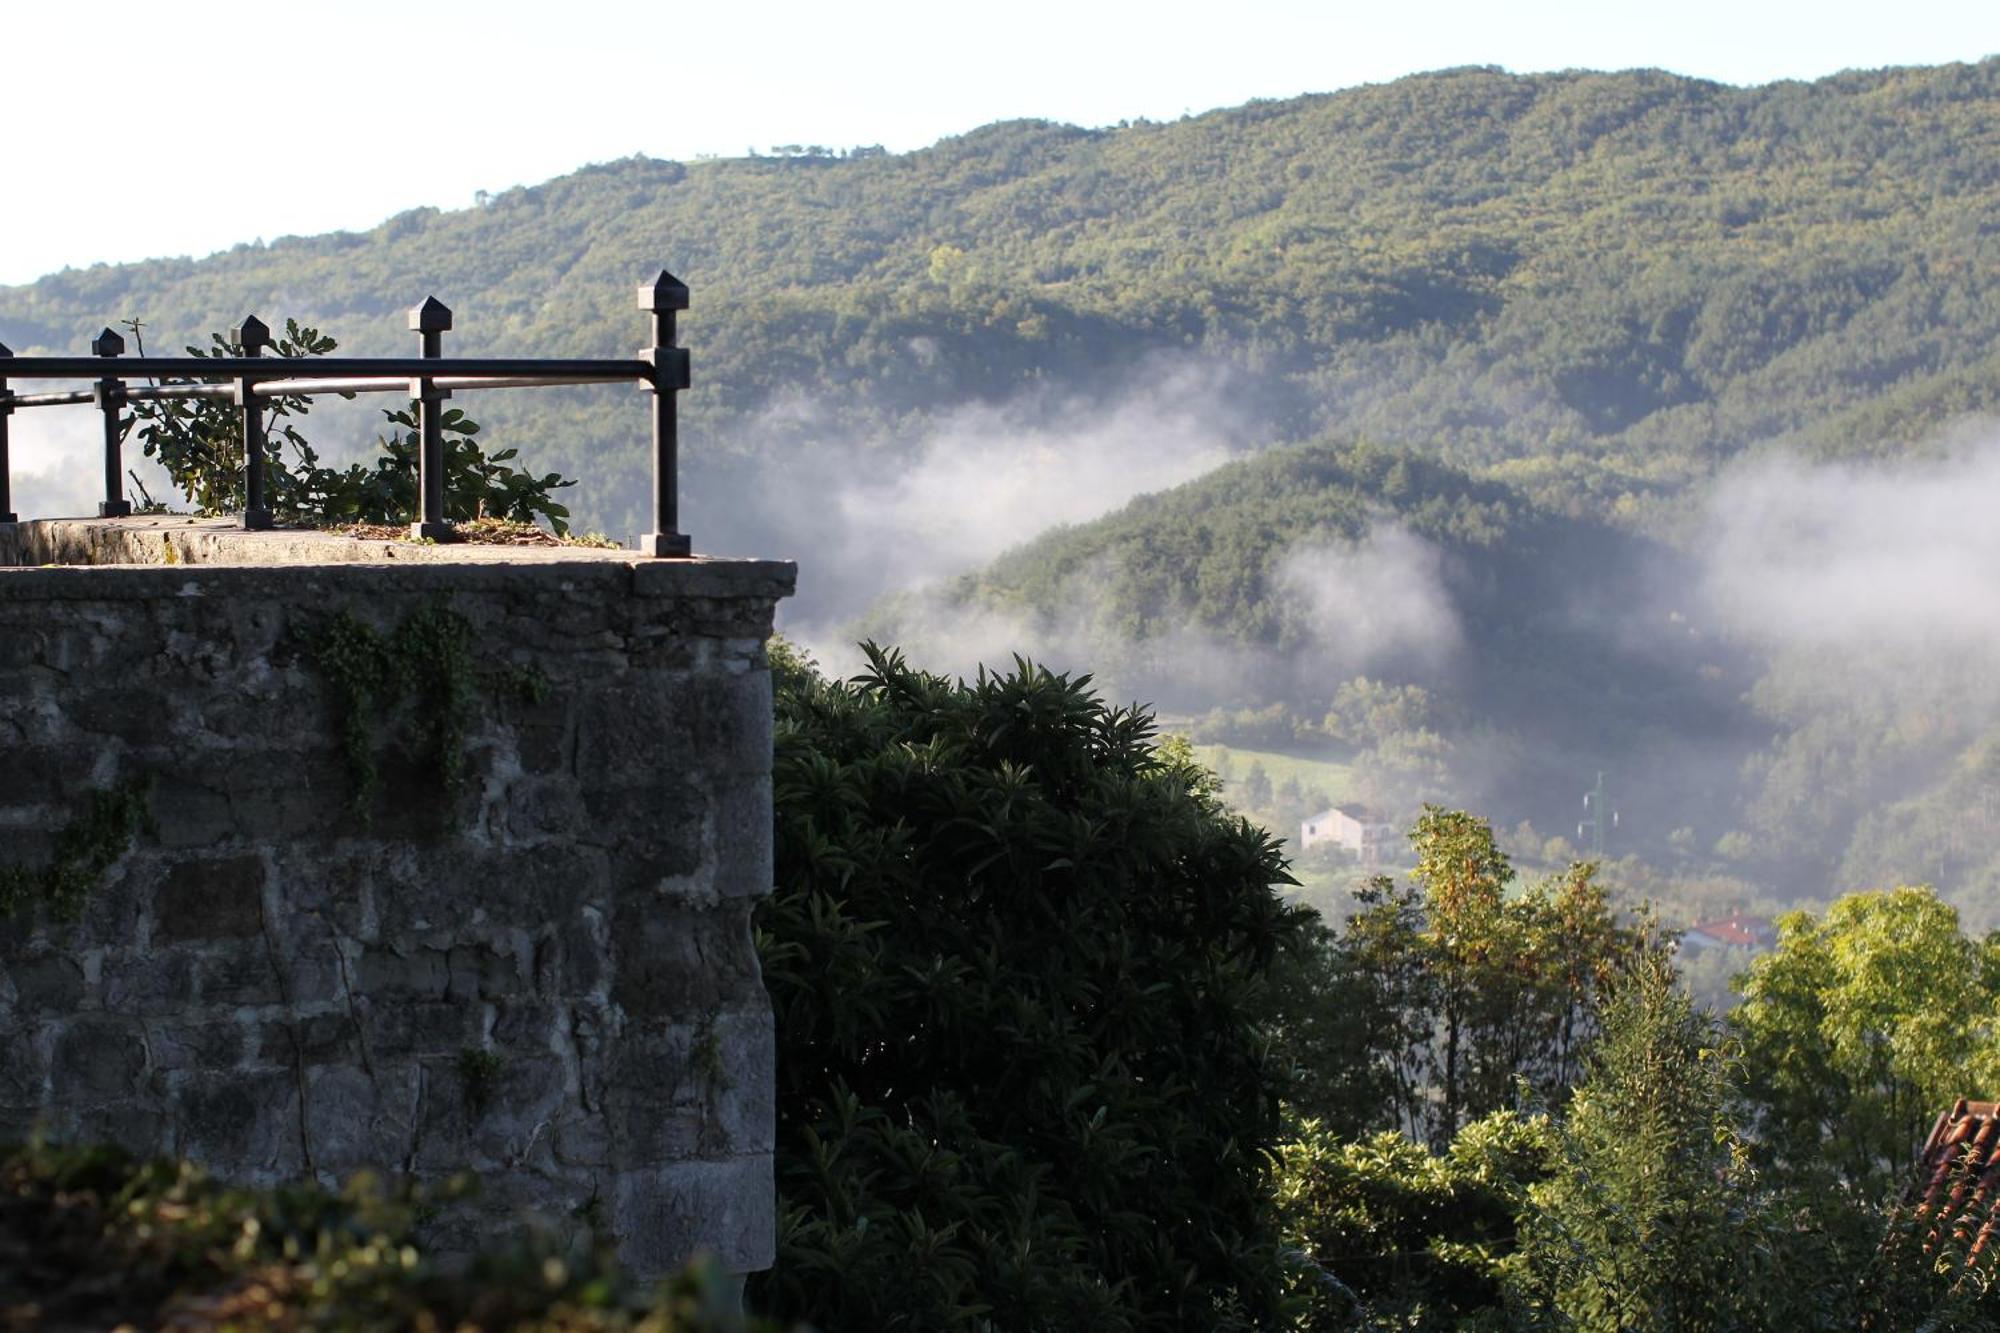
(430, 377)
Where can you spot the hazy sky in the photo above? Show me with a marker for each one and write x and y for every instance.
(142, 129)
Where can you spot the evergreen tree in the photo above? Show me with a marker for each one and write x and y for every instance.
(1644, 1223)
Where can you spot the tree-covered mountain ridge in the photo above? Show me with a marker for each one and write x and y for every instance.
(1593, 285)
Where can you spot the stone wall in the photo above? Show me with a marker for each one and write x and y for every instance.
(543, 975)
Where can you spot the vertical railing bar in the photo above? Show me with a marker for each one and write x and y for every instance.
(251, 337)
(662, 297)
(430, 321)
(110, 398)
(7, 514)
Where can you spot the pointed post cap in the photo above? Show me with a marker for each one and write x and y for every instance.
(665, 292)
(433, 316)
(107, 343)
(252, 335)
(6, 350)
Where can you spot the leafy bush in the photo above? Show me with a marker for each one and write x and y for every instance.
(91, 1238)
(1017, 955)
(1394, 1235)
(200, 444)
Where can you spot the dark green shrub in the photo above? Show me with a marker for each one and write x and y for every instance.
(1017, 957)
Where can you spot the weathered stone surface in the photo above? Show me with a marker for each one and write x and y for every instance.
(653, 1212)
(544, 975)
(242, 1123)
(210, 899)
(680, 964)
(356, 1119)
(146, 984)
(48, 983)
(21, 1069)
(212, 1043)
(97, 1059)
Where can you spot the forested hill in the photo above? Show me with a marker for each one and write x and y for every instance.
(1593, 284)
(1454, 639)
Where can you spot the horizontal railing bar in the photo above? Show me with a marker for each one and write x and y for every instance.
(134, 393)
(401, 383)
(149, 393)
(301, 368)
(51, 399)
(297, 388)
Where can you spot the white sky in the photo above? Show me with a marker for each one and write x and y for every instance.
(143, 129)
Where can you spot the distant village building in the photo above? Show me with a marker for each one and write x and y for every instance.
(1738, 930)
(1356, 828)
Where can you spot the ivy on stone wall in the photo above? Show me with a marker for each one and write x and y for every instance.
(84, 849)
(422, 673)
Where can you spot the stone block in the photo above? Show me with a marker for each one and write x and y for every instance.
(115, 905)
(146, 983)
(192, 811)
(211, 1044)
(422, 1028)
(514, 1122)
(530, 1027)
(22, 1068)
(483, 971)
(743, 828)
(44, 775)
(669, 963)
(97, 1060)
(540, 809)
(313, 1039)
(725, 721)
(242, 1124)
(385, 975)
(544, 738)
(583, 1140)
(583, 947)
(139, 1127)
(664, 1214)
(212, 898)
(358, 1120)
(742, 1081)
(142, 718)
(279, 795)
(46, 984)
(240, 975)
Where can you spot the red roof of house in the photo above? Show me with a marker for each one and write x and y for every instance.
(1745, 932)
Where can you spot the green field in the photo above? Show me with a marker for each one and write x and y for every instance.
(1231, 764)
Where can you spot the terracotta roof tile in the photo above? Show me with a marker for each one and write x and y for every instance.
(1958, 1179)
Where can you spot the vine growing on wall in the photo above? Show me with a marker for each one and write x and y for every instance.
(84, 849)
(421, 673)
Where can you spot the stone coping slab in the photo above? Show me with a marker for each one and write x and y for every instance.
(146, 546)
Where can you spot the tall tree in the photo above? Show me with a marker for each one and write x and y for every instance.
(1640, 1228)
(1864, 1024)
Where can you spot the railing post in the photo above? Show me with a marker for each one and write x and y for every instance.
(7, 514)
(110, 398)
(430, 321)
(252, 336)
(663, 296)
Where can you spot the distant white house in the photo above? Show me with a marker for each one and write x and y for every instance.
(1356, 828)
